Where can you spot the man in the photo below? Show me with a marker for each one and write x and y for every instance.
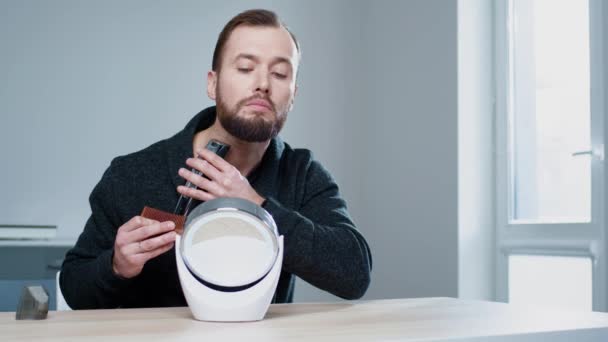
(124, 260)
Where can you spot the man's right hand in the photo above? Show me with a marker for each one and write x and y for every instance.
(139, 240)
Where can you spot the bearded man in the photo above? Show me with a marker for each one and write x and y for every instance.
(124, 260)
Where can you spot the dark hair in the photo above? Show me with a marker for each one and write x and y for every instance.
(254, 17)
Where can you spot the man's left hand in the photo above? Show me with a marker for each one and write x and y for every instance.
(224, 180)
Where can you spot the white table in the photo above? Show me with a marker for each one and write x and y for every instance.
(423, 319)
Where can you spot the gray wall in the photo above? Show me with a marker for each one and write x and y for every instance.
(84, 81)
(410, 182)
(87, 81)
(406, 138)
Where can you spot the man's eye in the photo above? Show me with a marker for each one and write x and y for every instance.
(244, 70)
(279, 75)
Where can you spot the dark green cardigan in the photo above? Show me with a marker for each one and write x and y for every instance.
(322, 245)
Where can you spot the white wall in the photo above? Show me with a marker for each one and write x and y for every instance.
(605, 105)
(475, 150)
(378, 104)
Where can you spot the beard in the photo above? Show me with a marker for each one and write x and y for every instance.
(254, 128)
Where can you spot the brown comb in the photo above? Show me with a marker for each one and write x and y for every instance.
(162, 216)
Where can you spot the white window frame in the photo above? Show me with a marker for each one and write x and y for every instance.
(562, 239)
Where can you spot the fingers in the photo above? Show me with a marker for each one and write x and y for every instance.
(214, 160)
(198, 194)
(205, 167)
(143, 257)
(125, 236)
(140, 236)
(144, 232)
(136, 222)
(200, 181)
(132, 251)
(224, 180)
(152, 244)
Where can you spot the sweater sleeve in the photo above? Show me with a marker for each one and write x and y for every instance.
(87, 280)
(322, 245)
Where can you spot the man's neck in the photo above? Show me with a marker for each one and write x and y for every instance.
(243, 155)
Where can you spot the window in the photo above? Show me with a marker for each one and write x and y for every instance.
(549, 42)
(549, 130)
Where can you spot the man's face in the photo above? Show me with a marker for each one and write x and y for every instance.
(255, 86)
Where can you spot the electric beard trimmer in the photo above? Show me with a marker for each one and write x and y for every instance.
(184, 203)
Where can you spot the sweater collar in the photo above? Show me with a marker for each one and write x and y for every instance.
(180, 148)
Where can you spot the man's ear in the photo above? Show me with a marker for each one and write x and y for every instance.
(211, 84)
(295, 92)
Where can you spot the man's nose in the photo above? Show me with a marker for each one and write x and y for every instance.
(262, 83)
